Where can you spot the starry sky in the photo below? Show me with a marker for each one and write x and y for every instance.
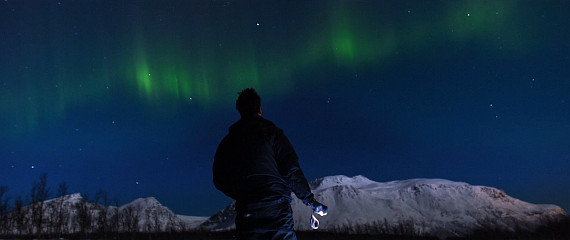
(133, 97)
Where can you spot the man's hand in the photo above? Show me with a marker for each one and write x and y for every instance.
(318, 207)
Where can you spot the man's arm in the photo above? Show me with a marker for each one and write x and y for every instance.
(288, 164)
(221, 170)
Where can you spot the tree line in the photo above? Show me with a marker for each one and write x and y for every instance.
(65, 215)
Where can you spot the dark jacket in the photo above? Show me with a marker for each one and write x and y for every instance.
(255, 162)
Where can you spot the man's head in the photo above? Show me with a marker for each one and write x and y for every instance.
(248, 103)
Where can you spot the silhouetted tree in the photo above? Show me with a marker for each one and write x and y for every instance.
(115, 218)
(83, 217)
(130, 219)
(39, 194)
(147, 216)
(61, 214)
(157, 225)
(20, 219)
(4, 223)
(102, 220)
(405, 228)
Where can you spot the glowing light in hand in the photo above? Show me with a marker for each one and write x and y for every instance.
(314, 222)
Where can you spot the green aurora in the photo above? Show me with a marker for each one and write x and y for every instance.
(207, 61)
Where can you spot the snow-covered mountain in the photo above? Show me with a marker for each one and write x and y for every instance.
(152, 216)
(73, 214)
(433, 207)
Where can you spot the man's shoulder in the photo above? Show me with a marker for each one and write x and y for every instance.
(251, 124)
(266, 122)
(269, 125)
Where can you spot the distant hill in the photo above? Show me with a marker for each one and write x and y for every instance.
(432, 207)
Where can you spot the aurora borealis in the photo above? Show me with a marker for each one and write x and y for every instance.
(133, 96)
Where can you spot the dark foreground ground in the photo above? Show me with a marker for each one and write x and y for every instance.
(554, 231)
(213, 236)
(300, 235)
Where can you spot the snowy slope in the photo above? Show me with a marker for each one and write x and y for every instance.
(152, 216)
(424, 206)
(192, 222)
(64, 214)
(222, 220)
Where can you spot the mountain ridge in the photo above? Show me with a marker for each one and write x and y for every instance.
(357, 205)
(435, 207)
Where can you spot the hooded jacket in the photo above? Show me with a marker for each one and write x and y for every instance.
(255, 162)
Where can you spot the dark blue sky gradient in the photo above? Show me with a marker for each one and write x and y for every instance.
(133, 97)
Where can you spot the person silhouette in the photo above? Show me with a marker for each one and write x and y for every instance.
(256, 165)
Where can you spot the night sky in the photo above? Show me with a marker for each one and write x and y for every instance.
(133, 97)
